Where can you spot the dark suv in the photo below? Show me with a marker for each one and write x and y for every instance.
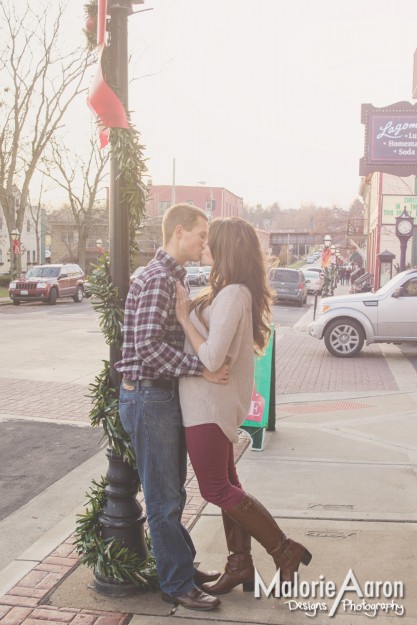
(45, 283)
(288, 284)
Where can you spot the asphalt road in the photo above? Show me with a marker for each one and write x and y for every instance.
(35, 455)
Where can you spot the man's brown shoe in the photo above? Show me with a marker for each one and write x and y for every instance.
(196, 599)
(203, 577)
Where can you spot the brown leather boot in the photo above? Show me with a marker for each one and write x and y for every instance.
(251, 515)
(239, 567)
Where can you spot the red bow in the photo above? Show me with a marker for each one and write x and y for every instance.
(16, 247)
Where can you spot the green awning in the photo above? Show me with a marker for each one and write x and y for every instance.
(356, 258)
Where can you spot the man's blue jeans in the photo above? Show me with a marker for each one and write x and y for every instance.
(152, 419)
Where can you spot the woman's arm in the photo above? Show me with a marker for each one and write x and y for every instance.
(225, 316)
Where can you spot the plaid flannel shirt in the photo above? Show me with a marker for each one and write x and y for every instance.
(153, 340)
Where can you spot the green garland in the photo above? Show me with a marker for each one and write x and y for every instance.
(108, 557)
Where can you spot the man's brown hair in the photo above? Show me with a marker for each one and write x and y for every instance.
(184, 215)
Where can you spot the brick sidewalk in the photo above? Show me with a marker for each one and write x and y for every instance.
(28, 398)
(23, 604)
(303, 364)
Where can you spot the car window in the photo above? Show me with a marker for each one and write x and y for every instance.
(284, 276)
(43, 272)
(410, 288)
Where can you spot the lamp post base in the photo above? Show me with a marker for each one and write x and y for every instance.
(112, 588)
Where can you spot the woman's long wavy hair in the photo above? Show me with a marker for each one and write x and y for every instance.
(238, 259)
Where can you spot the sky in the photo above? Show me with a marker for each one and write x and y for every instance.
(264, 98)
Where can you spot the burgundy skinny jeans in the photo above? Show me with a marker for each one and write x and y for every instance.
(211, 454)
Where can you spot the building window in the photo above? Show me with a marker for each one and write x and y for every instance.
(28, 225)
(163, 207)
(210, 205)
(1, 223)
(28, 257)
(67, 237)
(33, 257)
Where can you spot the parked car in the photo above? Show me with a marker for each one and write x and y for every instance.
(196, 276)
(305, 268)
(289, 285)
(310, 260)
(207, 271)
(46, 283)
(387, 316)
(314, 281)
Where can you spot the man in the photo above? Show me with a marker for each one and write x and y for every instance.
(153, 360)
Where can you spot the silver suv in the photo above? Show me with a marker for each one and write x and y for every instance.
(387, 316)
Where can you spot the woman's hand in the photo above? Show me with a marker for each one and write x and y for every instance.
(182, 304)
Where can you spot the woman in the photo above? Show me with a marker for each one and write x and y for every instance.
(225, 324)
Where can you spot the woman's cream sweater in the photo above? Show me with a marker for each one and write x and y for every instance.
(230, 336)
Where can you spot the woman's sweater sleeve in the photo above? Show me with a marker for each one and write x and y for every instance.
(226, 314)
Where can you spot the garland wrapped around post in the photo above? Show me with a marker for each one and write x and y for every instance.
(108, 556)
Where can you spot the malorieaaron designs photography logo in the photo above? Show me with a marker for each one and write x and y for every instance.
(371, 598)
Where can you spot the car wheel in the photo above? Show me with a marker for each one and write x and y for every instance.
(16, 302)
(344, 338)
(53, 296)
(79, 295)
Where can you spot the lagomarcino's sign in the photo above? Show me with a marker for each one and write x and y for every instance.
(390, 139)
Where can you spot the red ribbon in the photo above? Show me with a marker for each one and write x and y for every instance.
(104, 103)
(16, 247)
(101, 21)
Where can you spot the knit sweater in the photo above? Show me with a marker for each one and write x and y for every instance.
(230, 336)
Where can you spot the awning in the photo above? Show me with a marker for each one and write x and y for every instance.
(356, 258)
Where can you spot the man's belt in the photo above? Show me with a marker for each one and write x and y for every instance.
(169, 385)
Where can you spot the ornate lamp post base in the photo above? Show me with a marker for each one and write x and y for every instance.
(122, 518)
(112, 588)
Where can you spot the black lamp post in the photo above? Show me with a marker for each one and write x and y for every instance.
(15, 236)
(404, 227)
(122, 516)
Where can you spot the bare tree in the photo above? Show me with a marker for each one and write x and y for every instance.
(83, 179)
(39, 81)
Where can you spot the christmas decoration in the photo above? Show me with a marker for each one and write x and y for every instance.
(109, 557)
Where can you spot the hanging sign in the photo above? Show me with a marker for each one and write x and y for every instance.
(390, 139)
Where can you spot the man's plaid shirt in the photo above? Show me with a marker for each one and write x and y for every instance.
(153, 340)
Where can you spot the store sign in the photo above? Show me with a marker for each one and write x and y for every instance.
(393, 206)
(390, 139)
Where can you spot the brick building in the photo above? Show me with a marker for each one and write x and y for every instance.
(215, 201)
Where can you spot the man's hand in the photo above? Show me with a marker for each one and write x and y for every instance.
(221, 376)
